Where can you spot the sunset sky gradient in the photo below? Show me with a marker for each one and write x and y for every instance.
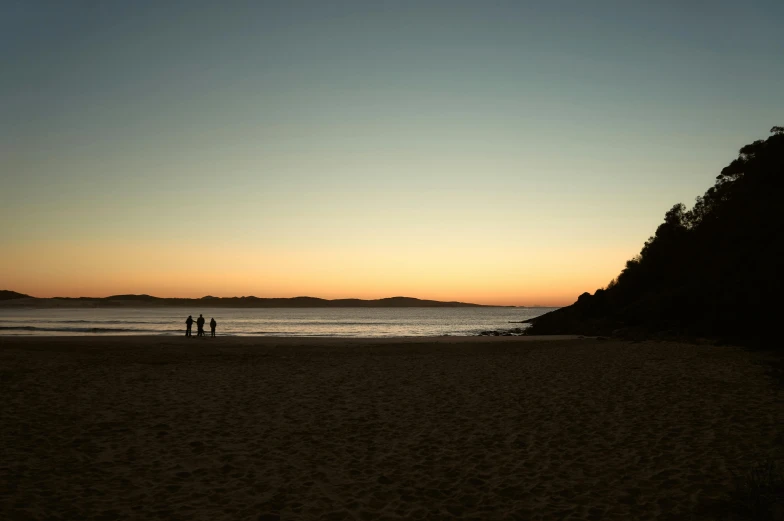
(490, 152)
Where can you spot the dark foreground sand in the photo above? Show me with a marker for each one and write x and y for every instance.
(269, 428)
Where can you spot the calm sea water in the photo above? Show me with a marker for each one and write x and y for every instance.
(344, 322)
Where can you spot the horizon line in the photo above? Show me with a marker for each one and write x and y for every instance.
(147, 295)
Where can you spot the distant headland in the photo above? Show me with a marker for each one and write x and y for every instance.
(14, 299)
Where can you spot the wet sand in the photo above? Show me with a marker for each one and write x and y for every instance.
(442, 428)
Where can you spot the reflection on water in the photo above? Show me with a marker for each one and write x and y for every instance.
(346, 322)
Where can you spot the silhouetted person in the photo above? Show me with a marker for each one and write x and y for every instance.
(213, 325)
(200, 325)
(188, 325)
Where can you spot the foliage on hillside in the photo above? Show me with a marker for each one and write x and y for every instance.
(713, 270)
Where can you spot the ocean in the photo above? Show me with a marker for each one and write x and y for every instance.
(339, 322)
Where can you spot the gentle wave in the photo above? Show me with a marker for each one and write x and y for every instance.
(101, 322)
(107, 322)
(82, 329)
(353, 322)
(301, 322)
(281, 333)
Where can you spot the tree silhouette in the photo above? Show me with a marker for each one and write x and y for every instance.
(713, 270)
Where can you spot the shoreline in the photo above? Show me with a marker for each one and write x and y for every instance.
(340, 323)
(534, 428)
(244, 339)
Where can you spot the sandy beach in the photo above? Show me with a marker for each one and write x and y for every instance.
(421, 428)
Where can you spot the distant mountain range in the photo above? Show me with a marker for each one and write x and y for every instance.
(11, 295)
(14, 299)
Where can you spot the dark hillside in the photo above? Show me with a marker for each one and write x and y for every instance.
(11, 295)
(710, 271)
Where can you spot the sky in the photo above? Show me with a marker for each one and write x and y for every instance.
(513, 153)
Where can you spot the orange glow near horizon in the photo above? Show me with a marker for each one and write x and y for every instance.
(483, 276)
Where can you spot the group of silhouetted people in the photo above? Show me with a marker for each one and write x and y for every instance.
(199, 326)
